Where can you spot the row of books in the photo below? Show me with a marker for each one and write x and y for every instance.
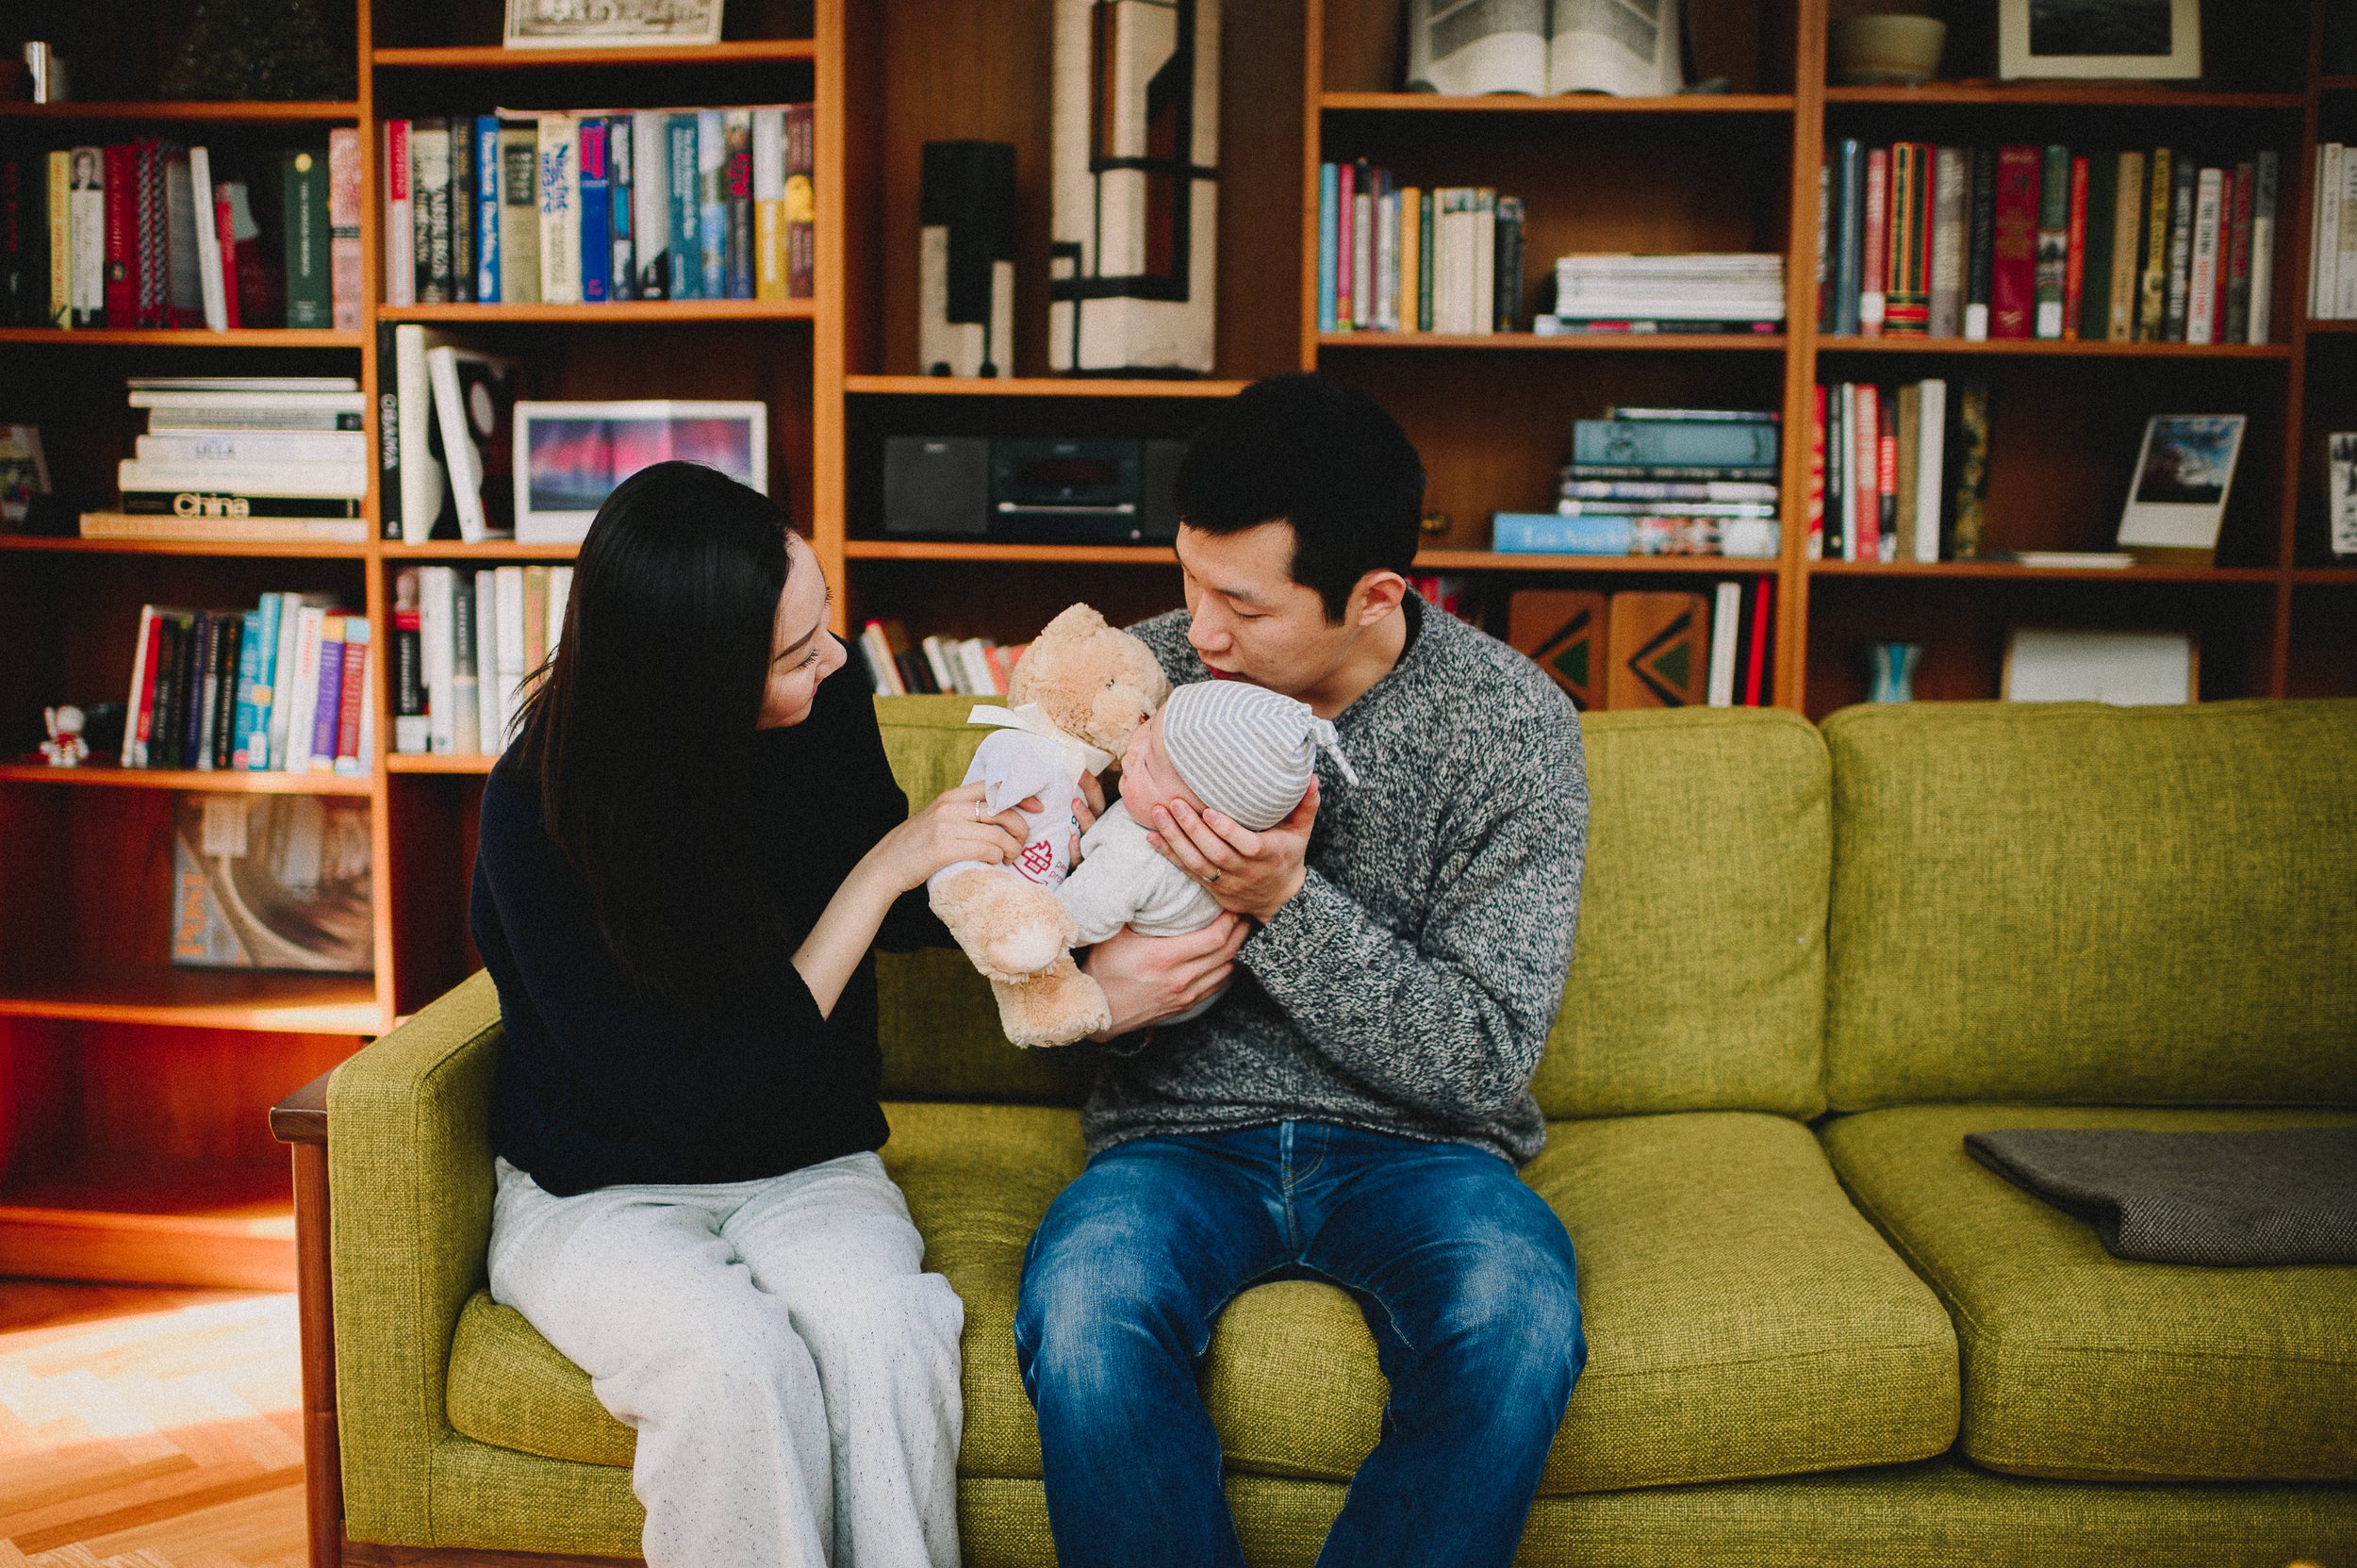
(1898, 473)
(445, 437)
(468, 646)
(586, 207)
(1709, 293)
(968, 667)
(263, 459)
(145, 233)
(1658, 481)
(2332, 258)
(280, 687)
(2029, 242)
(1396, 259)
(1647, 648)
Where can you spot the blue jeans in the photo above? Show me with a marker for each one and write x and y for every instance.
(1464, 1273)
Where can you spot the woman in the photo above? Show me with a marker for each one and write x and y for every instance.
(683, 861)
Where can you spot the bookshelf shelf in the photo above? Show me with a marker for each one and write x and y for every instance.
(614, 311)
(2329, 328)
(2050, 348)
(396, 552)
(185, 337)
(1583, 103)
(212, 998)
(1631, 342)
(1036, 387)
(159, 110)
(2318, 577)
(210, 780)
(2016, 572)
(119, 1216)
(2063, 95)
(432, 761)
(233, 548)
(1007, 554)
(493, 56)
(2339, 84)
(1494, 560)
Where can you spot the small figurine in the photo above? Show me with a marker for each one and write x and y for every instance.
(65, 747)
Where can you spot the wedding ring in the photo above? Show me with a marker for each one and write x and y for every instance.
(982, 811)
(1213, 878)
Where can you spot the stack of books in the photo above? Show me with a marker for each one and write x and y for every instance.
(280, 687)
(148, 233)
(1658, 481)
(260, 458)
(1898, 473)
(2332, 246)
(467, 647)
(1710, 294)
(591, 206)
(1394, 258)
(2030, 241)
(969, 667)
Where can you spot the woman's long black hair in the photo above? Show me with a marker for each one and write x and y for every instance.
(639, 735)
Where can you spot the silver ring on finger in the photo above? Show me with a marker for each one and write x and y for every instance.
(1213, 877)
(983, 812)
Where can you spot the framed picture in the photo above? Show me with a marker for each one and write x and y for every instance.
(2140, 40)
(640, 24)
(2128, 668)
(2184, 471)
(2341, 460)
(570, 455)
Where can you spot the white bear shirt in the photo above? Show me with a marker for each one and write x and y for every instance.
(1121, 881)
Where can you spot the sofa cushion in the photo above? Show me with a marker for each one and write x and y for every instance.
(2080, 1366)
(2080, 904)
(1709, 841)
(977, 1177)
(1742, 1320)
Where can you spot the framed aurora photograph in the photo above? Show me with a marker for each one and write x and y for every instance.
(570, 455)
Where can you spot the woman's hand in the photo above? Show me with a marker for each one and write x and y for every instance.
(947, 831)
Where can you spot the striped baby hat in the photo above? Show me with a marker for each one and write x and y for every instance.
(1245, 750)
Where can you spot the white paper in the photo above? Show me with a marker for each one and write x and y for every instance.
(2127, 668)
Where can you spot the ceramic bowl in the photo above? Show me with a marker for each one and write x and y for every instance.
(1886, 51)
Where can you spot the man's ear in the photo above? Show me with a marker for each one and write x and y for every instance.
(1378, 594)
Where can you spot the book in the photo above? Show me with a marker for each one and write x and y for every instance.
(1411, 291)
(481, 658)
(411, 732)
(2340, 450)
(474, 405)
(400, 244)
(1554, 534)
(2235, 323)
(2153, 291)
(1659, 645)
(466, 680)
(2263, 247)
(462, 210)
(559, 191)
(2049, 277)
(120, 285)
(489, 253)
(2076, 257)
(327, 707)
(768, 136)
(1562, 630)
(1907, 440)
(596, 223)
(272, 881)
(621, 208)
(137, 705)
(1950, 198)
(254, 676)
(711, 209)
(2127, 231)
(2201, 323)
(519, 211)
(736, 182)
(1725, 619)
(1849, 224)
(429, 188)
(86, 238)
(209, 504)
(651, 203)
(344, 197)
(437, 656)
(1675, 442)
(802, 201)
(341, 480)
(685, 272)
(1874, 265)
(1906, 297)
(1967, 502)
(425, 498)
(2013, 261)
(1980, 244)
(2177, 285)
(1329, 188)
(347, 756)
(1931, 465)
(302, 691)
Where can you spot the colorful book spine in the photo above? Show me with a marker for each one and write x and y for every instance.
(1551, 533)
(2153, 293)
(2236, 316)
(1427, 237)
(1907, 298)
(352, 693)
(310, 295)
(519, 211)
(2090, 319)
(1952, 178)
(651, 200)
(1968, 500)
(802, 201)
(86, 225)
(2127, 249)
(482, 145)
(685, 249)
(1849, 228)
(1815, 494)
(1330, 190)
(736, 181)
(400, 244)
(1875, 264)
(712, 205)
(2183, 179)
(429, 177)
(327, 707)
(769, 204)
(2049, 273)
(621, 210)
(559, 167)
(2012, 264)
(2074, 249)
(597, 236)
(1412, 260)
(2202, 270)
(344, 197)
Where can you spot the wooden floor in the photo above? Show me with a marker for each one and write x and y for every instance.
(148, 1428)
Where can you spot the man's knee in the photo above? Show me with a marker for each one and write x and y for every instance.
(1513, 1325)
(1087, 1316)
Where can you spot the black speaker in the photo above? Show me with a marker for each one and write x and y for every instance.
(936, 485)
(1161, 523)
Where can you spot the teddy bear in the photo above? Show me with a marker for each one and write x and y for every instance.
(1077, 696)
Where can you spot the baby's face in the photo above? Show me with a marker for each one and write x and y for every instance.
(1148, 782)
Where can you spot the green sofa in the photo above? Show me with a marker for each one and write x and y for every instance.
(1808, 962)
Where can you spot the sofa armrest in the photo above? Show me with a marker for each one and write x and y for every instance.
(410, 1186)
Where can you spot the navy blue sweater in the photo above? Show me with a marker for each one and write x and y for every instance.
(598, 1084)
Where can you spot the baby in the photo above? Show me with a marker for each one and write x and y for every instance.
(1223, 746)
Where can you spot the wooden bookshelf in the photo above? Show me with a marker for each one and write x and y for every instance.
(132, 1093)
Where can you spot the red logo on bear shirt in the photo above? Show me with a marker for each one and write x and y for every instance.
(1037, 860)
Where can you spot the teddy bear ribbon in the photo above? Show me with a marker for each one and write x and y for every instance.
(1078, 755)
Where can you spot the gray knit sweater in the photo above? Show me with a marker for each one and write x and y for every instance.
(1407, 988)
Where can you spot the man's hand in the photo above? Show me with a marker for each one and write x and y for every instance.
(1251, 873)
(1148, 979)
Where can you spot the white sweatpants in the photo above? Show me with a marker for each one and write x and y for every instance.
(791, 1371)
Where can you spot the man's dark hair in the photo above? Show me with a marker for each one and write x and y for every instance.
(1328, 460)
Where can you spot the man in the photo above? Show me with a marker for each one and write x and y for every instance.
(1353, 1107)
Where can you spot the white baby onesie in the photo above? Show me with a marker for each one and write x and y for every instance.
(1122, 881)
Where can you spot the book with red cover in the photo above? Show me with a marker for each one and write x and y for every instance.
(122, 234)
(2237, 268)
(2074, 266)
(1817, 475)
(224, 225)
(1874, 269)
(2013, 262)
(1866, 474)
(1759, 684)
(355, 678)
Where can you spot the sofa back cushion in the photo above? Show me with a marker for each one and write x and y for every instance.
(1698, 972)
(2085, 905)
(1699, 979)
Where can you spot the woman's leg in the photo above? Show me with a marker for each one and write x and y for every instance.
(835, 1244)
(636, 1287)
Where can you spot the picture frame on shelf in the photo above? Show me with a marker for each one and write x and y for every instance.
(2340, 456)
(611, 23)
(2115, 39)
(2183, 474)
(570, 455)
(2124, 667)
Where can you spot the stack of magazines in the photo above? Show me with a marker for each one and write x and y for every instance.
(259, 458)
(1732, 293)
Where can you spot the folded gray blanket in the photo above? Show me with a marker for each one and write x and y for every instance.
(2284, 1196)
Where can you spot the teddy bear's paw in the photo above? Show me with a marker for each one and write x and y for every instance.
(1059, 1008)
(1024, 949)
